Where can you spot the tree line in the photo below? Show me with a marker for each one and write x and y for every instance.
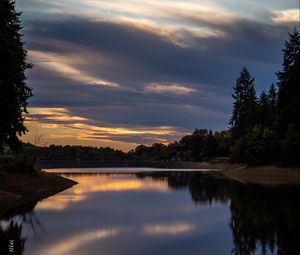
(201, 145)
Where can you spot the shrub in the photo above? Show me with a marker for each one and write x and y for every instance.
(18, 164)
(290, 146)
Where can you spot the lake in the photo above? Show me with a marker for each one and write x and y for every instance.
(141, 211)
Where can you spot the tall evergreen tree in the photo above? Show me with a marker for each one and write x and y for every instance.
(244, 106)
(273, 97)
(267, 108)
(289, 85)
(263, 109)
(14, 92)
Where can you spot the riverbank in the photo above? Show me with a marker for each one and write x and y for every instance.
(19, 189)
(266, 175)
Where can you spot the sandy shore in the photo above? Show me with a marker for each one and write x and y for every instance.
(268, 175)
(18, 189)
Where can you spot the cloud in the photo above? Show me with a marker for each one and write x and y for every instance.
(66, 67)
(286, 16)
(58, 124)
(169, 89)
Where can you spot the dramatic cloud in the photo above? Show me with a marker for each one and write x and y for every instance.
(117, 73)
(65, 67)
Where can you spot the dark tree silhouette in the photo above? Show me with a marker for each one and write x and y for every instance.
(243, 116)
(289, 101)
(289, 88)
(14, 92)
(12, 233)
(244, 107)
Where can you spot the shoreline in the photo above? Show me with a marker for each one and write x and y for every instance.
(21, 189)
(264, 175)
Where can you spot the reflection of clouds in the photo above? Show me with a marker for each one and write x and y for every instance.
(68, 246)
(168, 229)
(59, 202)
(89, 184)
(95, 183)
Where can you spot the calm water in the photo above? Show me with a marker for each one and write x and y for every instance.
(157, 213)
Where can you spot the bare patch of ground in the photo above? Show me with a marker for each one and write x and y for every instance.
(270, 175)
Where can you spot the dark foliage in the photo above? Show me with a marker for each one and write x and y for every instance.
(68, 152)
(204, 144)
(14, 92)
(18, 164)
(244, 106)
(267, 130)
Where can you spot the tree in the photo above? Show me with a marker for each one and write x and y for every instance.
(290, 152)
(267, 108)
(263, 109)
(14, 92)
(211, 145)
(261, 146)
(289, 85)
(289, 101)
(273, 98)
(244, 107)
(196, 143)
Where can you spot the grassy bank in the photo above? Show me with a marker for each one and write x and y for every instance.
(268, 175)
(18, 189)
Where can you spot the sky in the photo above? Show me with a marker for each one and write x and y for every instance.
(122, 73)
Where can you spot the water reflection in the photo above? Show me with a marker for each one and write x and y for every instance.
(170, 229)
(96, 183)
(12, 222)
(261, 216)
(150, 213)
(69, 245)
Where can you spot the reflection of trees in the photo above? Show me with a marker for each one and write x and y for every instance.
(268, 216)
(12, 233)
(16, 219)
(265, 217)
